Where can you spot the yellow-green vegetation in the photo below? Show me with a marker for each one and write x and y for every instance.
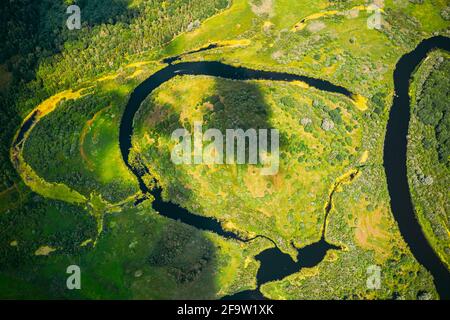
(428, 150)
(337, 186)
(238, 195)
(72, 201)
(99, 149)
(152, 257)
(29, 176)
(345, 52)
(70, 160)
(89, 144)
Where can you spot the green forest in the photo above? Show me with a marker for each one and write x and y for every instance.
(428, 150)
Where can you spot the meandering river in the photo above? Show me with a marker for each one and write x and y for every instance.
(395, 147)
(275, 264)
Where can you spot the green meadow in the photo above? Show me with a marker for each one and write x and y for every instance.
(428, 156)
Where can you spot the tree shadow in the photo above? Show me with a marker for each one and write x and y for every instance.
(232, 105)
(189, 261)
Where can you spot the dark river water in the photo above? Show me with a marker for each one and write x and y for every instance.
(395, 146)
(275, 264)
(25, 127)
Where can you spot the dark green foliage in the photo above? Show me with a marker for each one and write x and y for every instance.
(85, 52)
(45, 57)
(184, 252)
(240, 109)
(8, 120)
(433, 107)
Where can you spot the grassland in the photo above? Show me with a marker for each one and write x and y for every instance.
(237, 195)
(138, 256)
(361, 220)
(345, 43)
(201, 262)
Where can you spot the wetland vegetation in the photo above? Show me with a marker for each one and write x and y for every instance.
(67, 197)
